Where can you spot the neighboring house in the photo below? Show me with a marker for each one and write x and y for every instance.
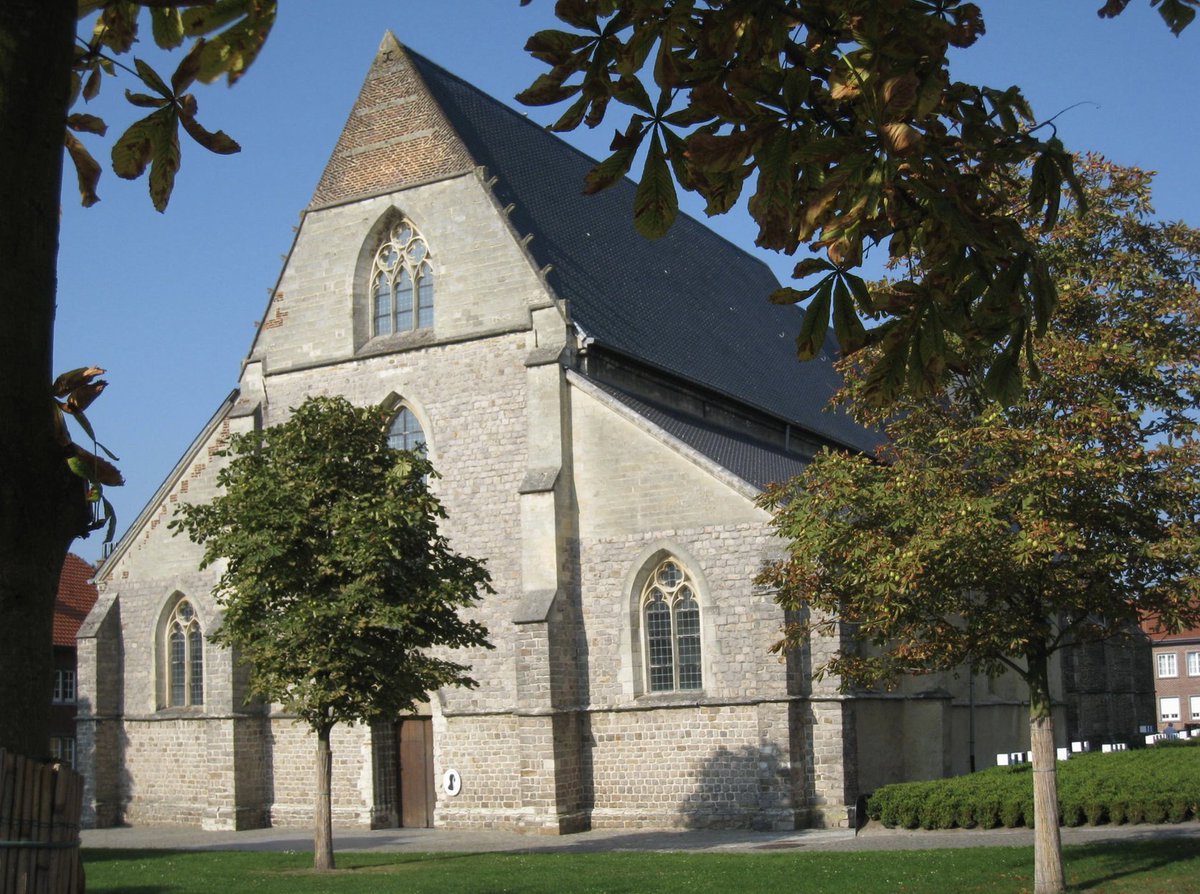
(604, 411)
(76, 596)
(1176, 665)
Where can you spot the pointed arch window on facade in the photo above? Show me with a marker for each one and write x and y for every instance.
(185, 657)
(405, 432)
(402, 282)
(671, 630)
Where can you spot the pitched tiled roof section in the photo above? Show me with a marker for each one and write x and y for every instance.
(690, 303)
(1153, 628)
(395, 135)
(75, 599)
(748, 459)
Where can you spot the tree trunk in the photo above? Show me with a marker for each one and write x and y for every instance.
(323, 815)
(41, 504)
(1048, 876)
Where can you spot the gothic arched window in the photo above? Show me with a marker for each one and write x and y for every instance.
(185, 657)
(671, 629)
(401, 282)
(405, 432)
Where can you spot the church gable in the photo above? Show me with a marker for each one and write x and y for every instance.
(427, 265)
(396, 135)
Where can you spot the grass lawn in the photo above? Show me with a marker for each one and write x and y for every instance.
(1148, 867)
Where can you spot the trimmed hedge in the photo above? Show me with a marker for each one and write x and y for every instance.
(1151, 785)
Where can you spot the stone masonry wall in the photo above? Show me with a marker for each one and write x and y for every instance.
(292, 762)
(726, 755)
(485, 750)
(469, 398)
(469, 401)
(713, 766)
(166, 768)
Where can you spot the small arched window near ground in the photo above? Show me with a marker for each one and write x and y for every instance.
(185, 657)
(671, 629)
(405, 432)
(401, 282)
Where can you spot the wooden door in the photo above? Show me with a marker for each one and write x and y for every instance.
(416, 773)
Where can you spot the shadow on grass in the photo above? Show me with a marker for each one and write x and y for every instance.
(349, 862)
(383, 861)
(94, 855)
(1091, 866)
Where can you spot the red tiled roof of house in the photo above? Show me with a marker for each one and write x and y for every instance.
(1152, 629)
(75, 599)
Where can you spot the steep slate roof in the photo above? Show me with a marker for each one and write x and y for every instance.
(75, 599)
(691, 303)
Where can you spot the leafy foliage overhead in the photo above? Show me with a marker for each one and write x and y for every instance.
(225, 35)
(72, 393)
(996, 534)
(992, 534)
(840, 120)
(337, 586)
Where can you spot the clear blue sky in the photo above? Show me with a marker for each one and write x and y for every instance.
(168, 303)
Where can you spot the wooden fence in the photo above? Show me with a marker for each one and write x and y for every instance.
(39, 827)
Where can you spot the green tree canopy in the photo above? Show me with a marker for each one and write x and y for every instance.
(996, 534)
(840, 118)
(336, 585)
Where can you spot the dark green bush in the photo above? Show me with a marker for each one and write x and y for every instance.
(964, 816)
(1012, 813)
(944, 813)
(1153, 785)
(1153, 810)
(988, 813)
(1071, 813)
(1118, 811)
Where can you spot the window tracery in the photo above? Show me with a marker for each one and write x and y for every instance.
(185, 657)
(401, 282)
(671, 630)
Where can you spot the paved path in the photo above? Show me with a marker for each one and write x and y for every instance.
(873, 837)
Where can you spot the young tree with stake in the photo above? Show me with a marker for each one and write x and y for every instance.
(337, 588)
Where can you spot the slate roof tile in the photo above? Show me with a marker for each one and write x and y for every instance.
(691, 303)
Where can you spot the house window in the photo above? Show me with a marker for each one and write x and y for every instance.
(671, 630)
(1166, 665)
(185, 657)
(401, 282)
(1168, 708)
(1193, 663)
(405, 432)
(62, 749)
(64, 686)
(1195, 706)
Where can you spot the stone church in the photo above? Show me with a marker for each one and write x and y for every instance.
(603, 410)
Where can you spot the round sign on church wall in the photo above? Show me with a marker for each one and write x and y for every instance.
(451, 782)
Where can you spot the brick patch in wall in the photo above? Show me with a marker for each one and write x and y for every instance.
(280, 315)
